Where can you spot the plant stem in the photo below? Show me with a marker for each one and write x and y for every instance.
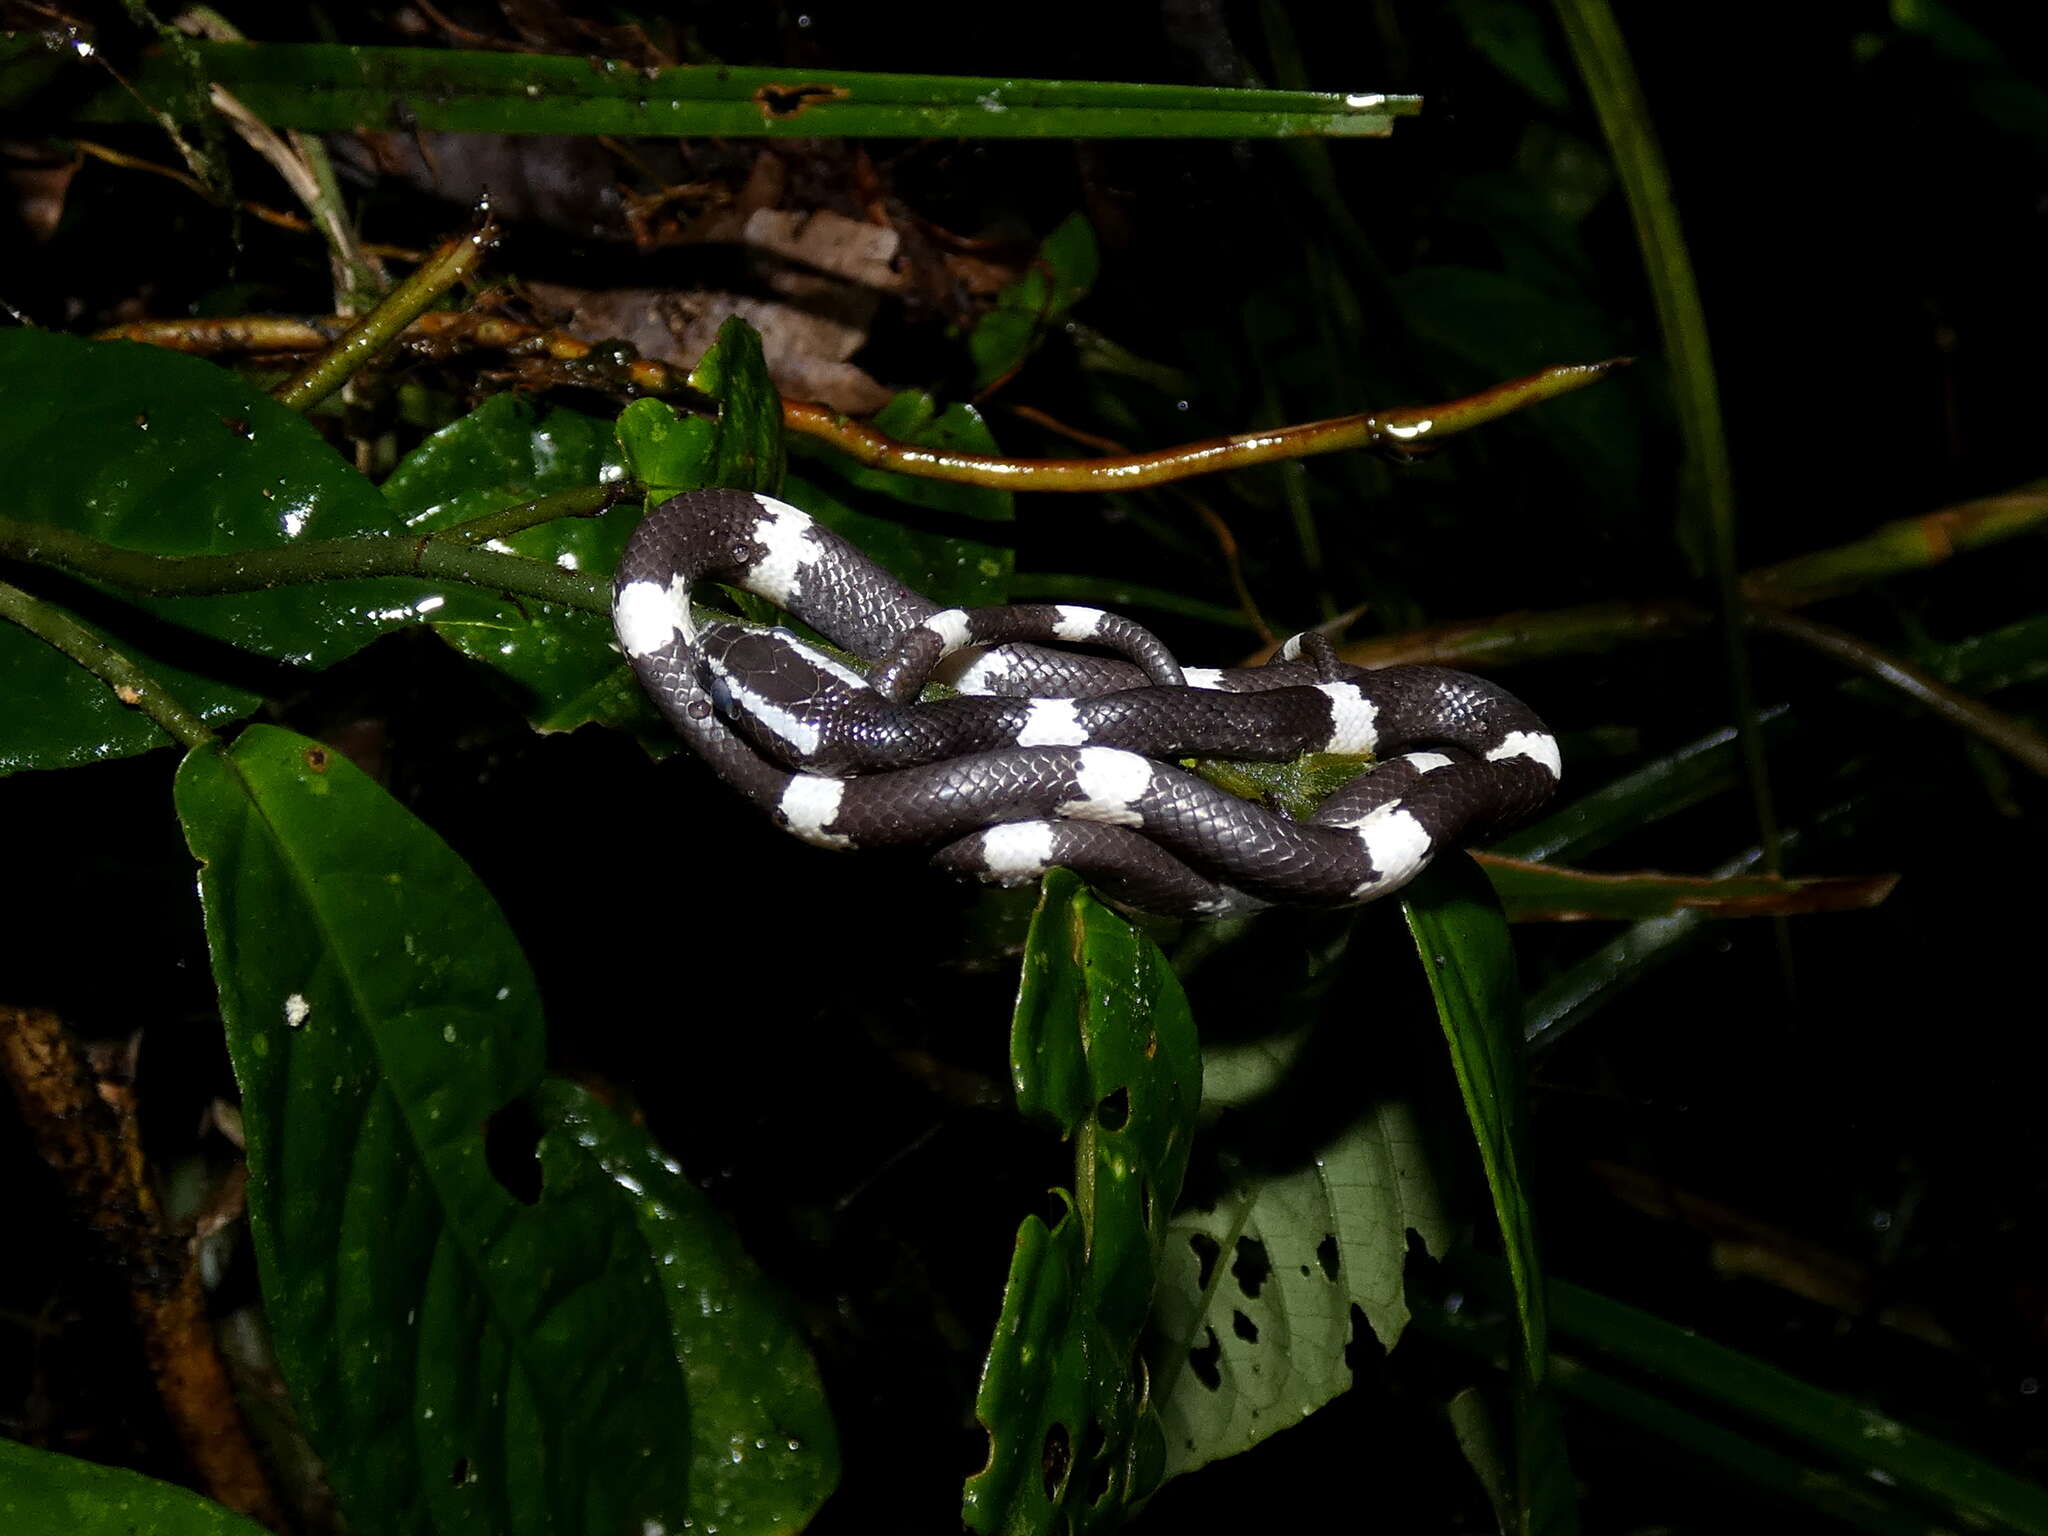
(254, 570)
(578, 501)
(131, 685)
(452, 261)
(1405, 429)
(1402, 430)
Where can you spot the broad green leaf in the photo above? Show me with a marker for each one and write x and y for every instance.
(464, 1284)
(1102, 1045)
(1059, 277)
(500, 455)
(1462, 937)
(763, 1449)
(323, 88)
(41, 1491)
(1256, 1291)
(150, 450)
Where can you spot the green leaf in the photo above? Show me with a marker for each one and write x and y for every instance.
(1101, 1044)
(150, 450)
(1462, 937)
(462, 1277)
(1059, 277)
(666, 451)
(500, 455)
(331, 89)
(747, 452)
(44, 1492)
(764, 1452)
(1256, 1292)
(945, 565)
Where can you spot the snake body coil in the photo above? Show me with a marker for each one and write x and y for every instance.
(1051, 756)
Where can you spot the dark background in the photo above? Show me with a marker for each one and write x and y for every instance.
(821, 1041)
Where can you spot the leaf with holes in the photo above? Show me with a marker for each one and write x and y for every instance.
(1256, 1292)
(1103, 1045)
(41, 1491)
(467, 1299)
(148, 450)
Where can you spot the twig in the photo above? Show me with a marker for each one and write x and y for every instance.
(578, 501)
(132, 686)
(451, 262)
(1403, 431)
(96, 1150)
(2023, 745)
(254, 570)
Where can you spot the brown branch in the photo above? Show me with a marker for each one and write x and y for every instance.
(1402, 431)
(85, 1130)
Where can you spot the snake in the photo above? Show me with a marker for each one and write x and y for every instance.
(1046, 752)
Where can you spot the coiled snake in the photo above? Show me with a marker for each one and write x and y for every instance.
(1049, 756)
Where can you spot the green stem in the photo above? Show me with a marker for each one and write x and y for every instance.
(254, 570)
(131, 685)
(579, 501)
(453, 261)
(1709, 487)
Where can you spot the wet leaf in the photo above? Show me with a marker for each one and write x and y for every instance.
(42, 1491)
(763, 1449)
(502, 454)
(149, 450)
(461, 1264)
(1103, 1046)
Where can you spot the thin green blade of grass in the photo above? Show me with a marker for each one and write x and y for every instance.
(1707, 488)
(330, 88)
